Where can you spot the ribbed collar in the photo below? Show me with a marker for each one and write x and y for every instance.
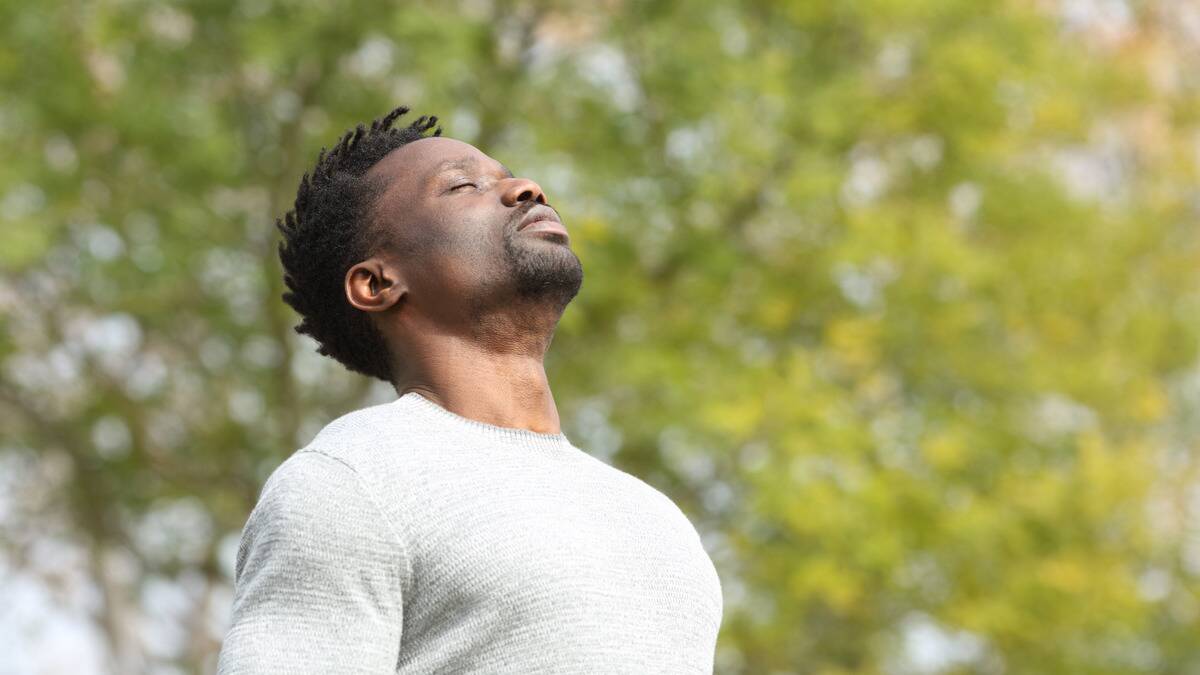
(519, 437)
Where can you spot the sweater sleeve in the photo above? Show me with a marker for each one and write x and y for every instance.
(318, 577)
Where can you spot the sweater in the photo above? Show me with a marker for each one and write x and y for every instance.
(405, 538)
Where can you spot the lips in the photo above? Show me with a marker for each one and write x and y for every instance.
(542, 219)
(545, 226)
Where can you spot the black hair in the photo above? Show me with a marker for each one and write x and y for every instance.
(329, 230)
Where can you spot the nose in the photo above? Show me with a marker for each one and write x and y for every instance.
(522, 190)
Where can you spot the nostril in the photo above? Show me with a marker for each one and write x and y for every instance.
(541, 198)
(525, 196)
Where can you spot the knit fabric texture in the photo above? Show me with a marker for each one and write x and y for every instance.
(406, 538)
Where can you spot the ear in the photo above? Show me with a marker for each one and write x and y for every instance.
(374, 285)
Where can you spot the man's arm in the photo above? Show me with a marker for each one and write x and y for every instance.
(319, 576)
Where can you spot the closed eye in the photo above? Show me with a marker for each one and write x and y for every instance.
(462, 185)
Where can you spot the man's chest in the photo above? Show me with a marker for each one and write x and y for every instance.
(535, 545)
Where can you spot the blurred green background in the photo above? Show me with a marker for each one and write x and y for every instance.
(898, 299)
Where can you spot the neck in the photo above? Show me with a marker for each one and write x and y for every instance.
(498, 378)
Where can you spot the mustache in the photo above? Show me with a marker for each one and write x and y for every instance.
(518, 215)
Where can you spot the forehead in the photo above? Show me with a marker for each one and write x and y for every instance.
(427, 157)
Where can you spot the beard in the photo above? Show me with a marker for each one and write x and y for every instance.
(543, 271)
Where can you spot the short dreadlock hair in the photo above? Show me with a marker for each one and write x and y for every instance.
(329, 230)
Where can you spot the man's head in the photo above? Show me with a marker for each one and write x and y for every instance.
(400, 225)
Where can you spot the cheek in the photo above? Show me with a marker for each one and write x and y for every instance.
(461, 256)
(474, 237)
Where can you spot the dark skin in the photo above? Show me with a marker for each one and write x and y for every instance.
(475, 277)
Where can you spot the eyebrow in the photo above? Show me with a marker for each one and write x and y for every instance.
(464, 163)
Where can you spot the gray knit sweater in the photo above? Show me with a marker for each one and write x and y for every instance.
(405, 538)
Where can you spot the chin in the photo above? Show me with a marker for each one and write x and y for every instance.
(545, 269)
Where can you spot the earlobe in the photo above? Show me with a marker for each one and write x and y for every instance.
(373, 286)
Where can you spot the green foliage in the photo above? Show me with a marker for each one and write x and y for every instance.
(897, 299)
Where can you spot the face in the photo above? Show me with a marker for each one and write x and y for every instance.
(469, 235)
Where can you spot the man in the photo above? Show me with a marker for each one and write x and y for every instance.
(455, 529)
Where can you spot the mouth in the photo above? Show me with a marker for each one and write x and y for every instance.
(543, 219)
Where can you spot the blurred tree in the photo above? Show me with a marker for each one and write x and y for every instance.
(897, 299)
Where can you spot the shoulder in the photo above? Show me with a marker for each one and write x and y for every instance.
(350, 466)
(654, 498)
(315, 504)
(356, 436)
(308, 489)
